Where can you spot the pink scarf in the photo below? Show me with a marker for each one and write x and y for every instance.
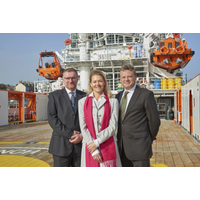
(107, 148)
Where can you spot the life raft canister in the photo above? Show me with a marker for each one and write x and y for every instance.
(143, 82)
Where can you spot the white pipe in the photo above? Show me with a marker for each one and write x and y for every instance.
(84, 77)
(59, 56)
(102, 38)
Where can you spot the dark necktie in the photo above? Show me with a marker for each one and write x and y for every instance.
(73, 100)
(123, 105)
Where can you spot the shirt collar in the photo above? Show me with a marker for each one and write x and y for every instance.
(92, 95)
(132, 89)
(68, 91)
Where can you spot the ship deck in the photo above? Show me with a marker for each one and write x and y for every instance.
(26, 145)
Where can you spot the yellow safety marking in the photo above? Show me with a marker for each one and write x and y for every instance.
(43, 142)
(159, 165)
(15, 122)
(30, 120)
(151, 159)
(21, 161)
(11, 142)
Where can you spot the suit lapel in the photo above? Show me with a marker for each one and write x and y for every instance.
(101, 103)
(78, 96)
(132, 100)
(120, 96)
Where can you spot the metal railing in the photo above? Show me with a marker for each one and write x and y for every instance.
(102, 53)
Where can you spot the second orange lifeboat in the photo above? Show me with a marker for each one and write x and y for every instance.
(52, 70)
(172, 54)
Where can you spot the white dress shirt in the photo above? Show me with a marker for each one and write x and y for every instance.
(129, 95)
(69, 94)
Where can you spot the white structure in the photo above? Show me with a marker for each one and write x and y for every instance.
(20, 87)
(190, 107)
(7, 111)
(108, 52)
(3, 108)
(41, 107)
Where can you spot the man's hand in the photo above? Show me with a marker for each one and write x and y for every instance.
(91, 147)
(76, 138)
(75, 132)
(97, 157)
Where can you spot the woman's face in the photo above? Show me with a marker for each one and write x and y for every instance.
(97, 84)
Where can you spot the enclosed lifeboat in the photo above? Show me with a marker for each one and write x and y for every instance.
(52, 70)
(172, 54)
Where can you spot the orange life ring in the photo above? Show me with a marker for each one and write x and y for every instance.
(181, 46)
(129, 47)
(67, 42)
(143, 82)
(162, 48)
(61, 85)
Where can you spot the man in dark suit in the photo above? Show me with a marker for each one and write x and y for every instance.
(65, 144)
(138, 121)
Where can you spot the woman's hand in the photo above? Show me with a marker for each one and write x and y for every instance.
(91, 147)
(97, 157)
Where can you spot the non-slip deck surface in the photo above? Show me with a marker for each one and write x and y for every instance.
(26, 145)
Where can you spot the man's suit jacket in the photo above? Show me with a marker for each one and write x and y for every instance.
(140, 125)
(63, 120)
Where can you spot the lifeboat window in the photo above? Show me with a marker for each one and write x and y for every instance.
(170, 45)
(162, 44)
(177, 44)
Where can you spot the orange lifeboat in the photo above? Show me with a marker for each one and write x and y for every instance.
(52, 70)
(172, 54)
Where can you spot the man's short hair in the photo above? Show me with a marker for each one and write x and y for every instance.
(70, 70)
(128, 67)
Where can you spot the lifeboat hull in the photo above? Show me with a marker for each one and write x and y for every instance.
(171, 55)
(52, 70)
(171, 62)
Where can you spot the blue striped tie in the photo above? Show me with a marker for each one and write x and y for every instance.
(73, 100)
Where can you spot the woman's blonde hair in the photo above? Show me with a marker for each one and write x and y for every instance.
(106, 87)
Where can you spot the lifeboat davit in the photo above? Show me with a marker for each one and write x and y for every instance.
(172, 54)
(52, 70)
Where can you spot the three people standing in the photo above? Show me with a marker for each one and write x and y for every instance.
(133, 111)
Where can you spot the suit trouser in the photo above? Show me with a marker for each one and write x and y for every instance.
(73, 160)
(133, 163)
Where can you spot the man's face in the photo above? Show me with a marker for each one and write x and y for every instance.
(70, 80)
(127, 79)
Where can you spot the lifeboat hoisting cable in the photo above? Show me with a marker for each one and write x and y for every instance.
(143, 82)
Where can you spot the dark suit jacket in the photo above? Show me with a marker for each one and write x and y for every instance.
(63, 120)
(139, 126)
